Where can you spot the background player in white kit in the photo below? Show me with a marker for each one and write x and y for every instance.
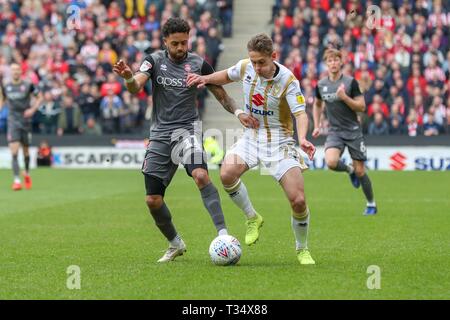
(272, 94)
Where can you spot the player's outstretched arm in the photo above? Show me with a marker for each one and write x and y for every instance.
(134, 83)
(229, 104)
(218, 78)
(317, 113)
(302, 128)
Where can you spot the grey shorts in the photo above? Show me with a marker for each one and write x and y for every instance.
(162, 158)
(356, 147)
(18, 134)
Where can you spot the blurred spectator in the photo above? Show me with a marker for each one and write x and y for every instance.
(91, 127)
(111, 107)
(431, 127)
(48, 114)
(396, 126)
(69, 121)
(378, 126)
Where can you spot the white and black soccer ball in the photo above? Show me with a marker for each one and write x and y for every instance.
(225, 250)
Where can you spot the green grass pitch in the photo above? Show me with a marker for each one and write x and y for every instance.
(97, 220)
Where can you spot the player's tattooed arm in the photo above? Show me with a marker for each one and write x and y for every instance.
(229, 104)
(225, 100)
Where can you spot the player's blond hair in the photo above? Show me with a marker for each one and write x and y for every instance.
(261, 43)
(331, 53)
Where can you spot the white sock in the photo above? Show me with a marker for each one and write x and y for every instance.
(16, 179)
(300, 227)
(176, 242)
(223, 232)
(371, 204)
(238, 193)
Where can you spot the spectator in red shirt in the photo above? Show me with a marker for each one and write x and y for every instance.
(111, 84)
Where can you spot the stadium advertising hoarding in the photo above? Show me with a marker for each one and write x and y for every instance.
(434, 158)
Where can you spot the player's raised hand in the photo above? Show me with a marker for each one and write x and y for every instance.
(123, 70)
(194, 79)
(341, 91)
(316, 133)
(308, 148)
(249, 121)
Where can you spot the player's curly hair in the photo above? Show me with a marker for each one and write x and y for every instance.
(261, 43)
(175, 25)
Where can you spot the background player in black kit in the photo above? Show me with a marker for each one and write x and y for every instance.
(17, 94)
(343, 98)
(174, 137)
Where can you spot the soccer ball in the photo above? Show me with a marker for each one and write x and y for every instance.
(225, 250)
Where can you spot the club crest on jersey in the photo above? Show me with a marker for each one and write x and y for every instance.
(163, 67)
(325, 89)
(187, 68)
(145, 66)
(22, 88)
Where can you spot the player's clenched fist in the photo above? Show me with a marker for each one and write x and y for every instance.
(123, 70)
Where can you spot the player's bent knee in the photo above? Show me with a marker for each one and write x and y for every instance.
(154, 201)
(227, 176)
(360, 171)
(200, 177)
(298, 204)
(331, 163)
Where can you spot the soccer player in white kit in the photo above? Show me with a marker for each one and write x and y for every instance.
(272, 94)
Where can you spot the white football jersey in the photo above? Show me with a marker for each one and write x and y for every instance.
(271, 101)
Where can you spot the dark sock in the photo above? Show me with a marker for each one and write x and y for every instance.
(367, 187)
(27, 164)
(211, 200)
(342, 167)
(15, 166)
(163, 220)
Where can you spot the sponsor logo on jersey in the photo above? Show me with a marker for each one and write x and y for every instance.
(259, 112)
(146, 65)
(257, 100)
(329, 97)
(163, 67)
(171, 82)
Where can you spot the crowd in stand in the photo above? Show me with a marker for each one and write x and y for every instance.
(67, 49)
(399, 52)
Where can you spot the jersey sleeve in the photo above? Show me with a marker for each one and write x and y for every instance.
(318, 96)
(295, 98)
(206, 68)
(147, 66)
(355, 91)
(237, 72)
